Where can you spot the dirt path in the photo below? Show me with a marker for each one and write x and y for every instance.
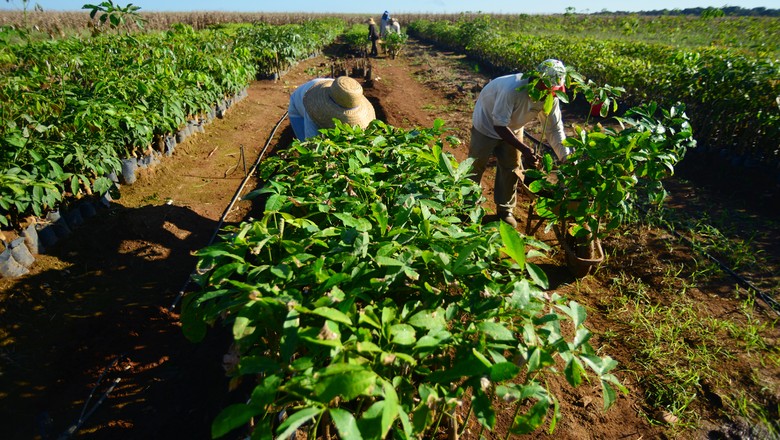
(96, 308)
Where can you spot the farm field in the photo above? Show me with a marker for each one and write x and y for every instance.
(697, 353)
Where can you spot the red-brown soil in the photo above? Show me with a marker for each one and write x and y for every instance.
(97, 307)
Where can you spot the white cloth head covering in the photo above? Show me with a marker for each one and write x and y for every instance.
(554, 70)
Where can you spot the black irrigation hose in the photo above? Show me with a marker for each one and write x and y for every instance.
(86, 414)
(230, 206)
(771, 302)
(75, 427)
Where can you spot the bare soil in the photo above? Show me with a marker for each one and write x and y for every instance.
(97, 310)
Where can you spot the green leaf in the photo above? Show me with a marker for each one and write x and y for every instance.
(264, 394)
(496, 331)
(379, 141)
(275, 202)
(368, 316)
(532, 420)
(282, 271)
(432, 340)
(537, 275)
(503, 371)
(346, 424)
(241, 326)
(361, 224)
(483, 410)
(193, 326)
(333, 315)
(292, 423)
(370, 422)
(402, 334)
(573, 372)
(232, 417)
(345, 380)
(514, 244)
(582, 336)
(387, 261)
(367, 347)
(577, 313)
(429, 319)
(467, 367)
(379, 211)
(405, 423)
(390, 409)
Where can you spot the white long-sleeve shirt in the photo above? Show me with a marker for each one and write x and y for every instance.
(296, 108)
(501, 104)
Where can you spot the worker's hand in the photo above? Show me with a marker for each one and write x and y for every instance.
(533, 160)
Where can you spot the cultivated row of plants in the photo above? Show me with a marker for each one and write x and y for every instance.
(369, 300)
(277, 48)
(753, 36)
(74, 107)
(356, 40)
(732, 98)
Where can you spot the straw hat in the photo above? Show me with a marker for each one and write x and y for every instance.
(342, 99)
(371, 21)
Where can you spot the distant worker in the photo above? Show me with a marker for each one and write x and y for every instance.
(373, 35)
(384, 24)
(395, 26)
(503, 108)
(316, 103)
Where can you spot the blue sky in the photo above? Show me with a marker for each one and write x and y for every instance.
(396, 6)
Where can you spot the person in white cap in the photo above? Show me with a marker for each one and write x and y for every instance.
(503, 108)
(314, 105)
(395, 26)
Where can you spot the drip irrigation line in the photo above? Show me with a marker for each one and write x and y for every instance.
(100, 379)
(236, 196)
(75, 427)
(86, 414)
(771, 302)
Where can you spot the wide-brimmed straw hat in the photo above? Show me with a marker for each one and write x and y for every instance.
(341, 99)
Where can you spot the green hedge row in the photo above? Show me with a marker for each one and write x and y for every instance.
(733, 99)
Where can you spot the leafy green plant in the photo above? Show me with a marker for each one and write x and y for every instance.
(115, 15)
(356, 40)
(394, 43)
(362, 304)
(602, 99)
(599, 185)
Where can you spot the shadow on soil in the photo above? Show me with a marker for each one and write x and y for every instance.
(98, 317)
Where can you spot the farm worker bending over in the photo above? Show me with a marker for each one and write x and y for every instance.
(503, 108)
(315, 104)
(395, 26)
